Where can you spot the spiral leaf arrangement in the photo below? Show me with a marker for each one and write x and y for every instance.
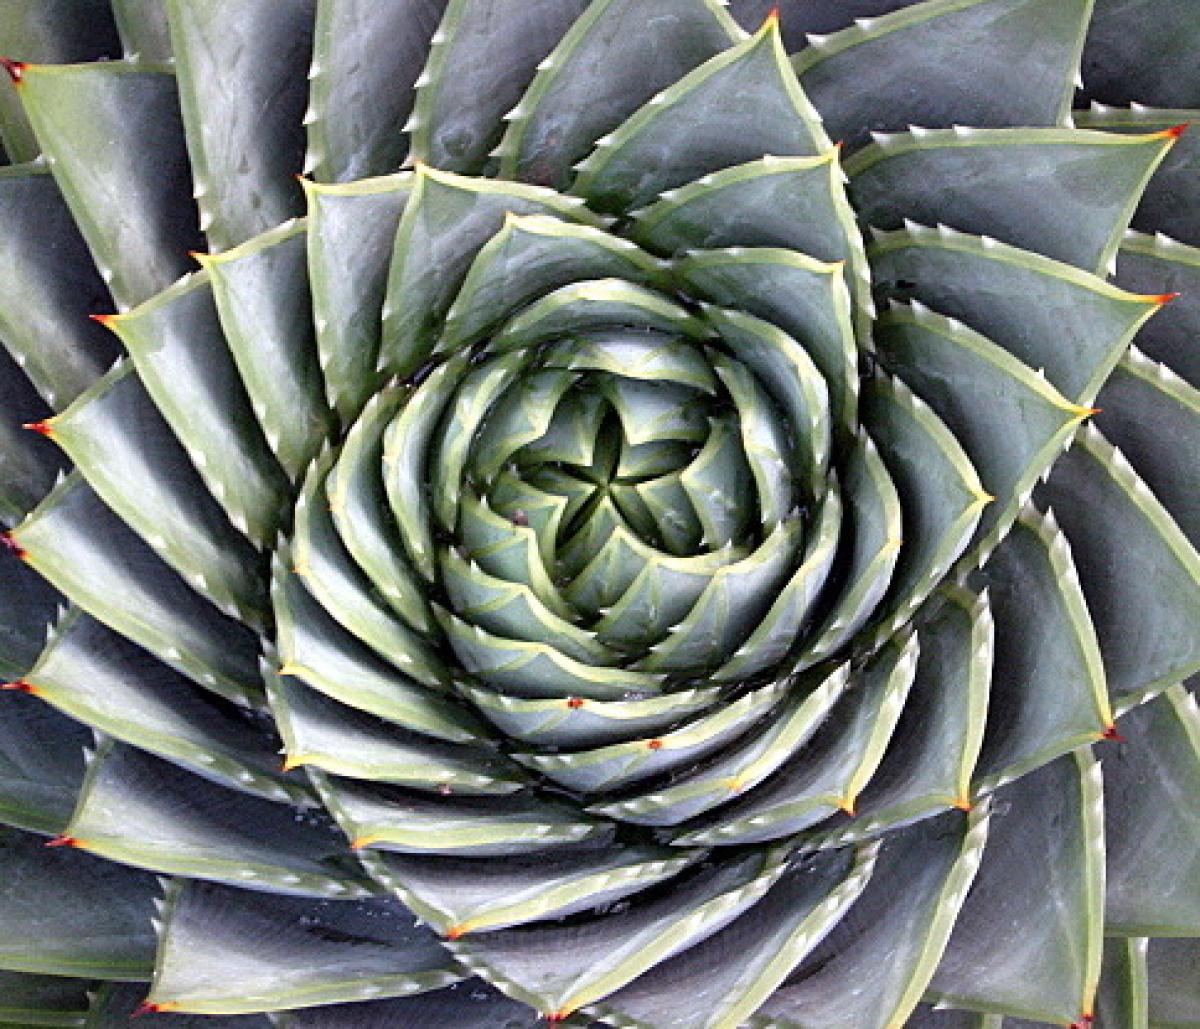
(671, 610)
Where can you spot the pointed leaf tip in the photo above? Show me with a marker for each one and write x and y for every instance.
(13, 546)
(149, 1008)
(15, 69)
(62, 841)
(1110, 733)
(42, 428)
(1165, 298)
(772, 17)
(574, 702)
(20, 686)
(1175, 131)
(104, 319)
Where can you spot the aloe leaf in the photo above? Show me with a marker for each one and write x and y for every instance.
(839, 760)
(118, 440)
(1051, 316)
(1122, 999)
(739, 768)
(931, 756)
(36, 1000)
(104, 681)
(950, 62)
(85, 551)
(1048, 691)
(318, 651)
(791, 376)
(230, 58)
(1157, 264)
(56, 32)
(893, 937)
(805, 298)
(177, 346)
(701, 987)
(351, 229)
(1043, 866)
(1064, 193)
(63, 912)
(750, 85)
(113, 134)
(559, 969)
(1169, 965)
(464, 91)
(619, 764)
(1171, 197)
(608, 64)
(1137, 386)
(114, 1005)
(262, 298)
(1142, 778)
(41, 764)
(143, 28)
(941, 497)
(788, 203)
(1130, 45)
(50, 289)
(366, 60)
(446, 221)
(873, 545)
(1126, 544)
(320, 559)
(470, 1002)
(320, 733)
(29, 463)
(578, 722)
(360, 512)
(1011, 422)
(529, 256)
(140, 811)
(469, 895)
(226, 951)
(410, 822)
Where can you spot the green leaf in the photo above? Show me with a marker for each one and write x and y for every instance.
(1011, 422)
(87, 552)
(113, 136)
(113, 1006)
(182, 358)
(1048, 692)
(445, 223)
(41, 765)
(50, 289)
(35, 1000)
(1064, 193)
(892, 938)
(1051, 316)
(391, 818)
(559, 969)
(1029, 937)
(129, 456)
(1140, 575)
(231, 58)
(138, 810)
(104, 681)
(351, 229)
(143, 28)
(366, 60)
(610, 62)
(482, 57)
(320, 733)
(686, 132)
(950, 62)
(262, 298)
(469, 895)
(702, 987)
(1146, 783)
(227, 951)
(63, 912)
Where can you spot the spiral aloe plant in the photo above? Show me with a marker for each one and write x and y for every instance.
(492, 541)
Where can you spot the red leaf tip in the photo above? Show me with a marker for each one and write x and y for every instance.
(654, 744)
(13, 546)
(574, 703)
(41, 428)
(1175, 131)
(1110, 733)
(145, 1008)
(104, 319)
(15, 69)
(19, 686)
(62, 841)
(772, 17)
(1165, 298)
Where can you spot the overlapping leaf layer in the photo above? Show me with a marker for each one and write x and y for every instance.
(545, 563)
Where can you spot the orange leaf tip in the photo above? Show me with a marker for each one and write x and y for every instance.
(15, 69)
(962, 803)
(772, 17)
(456, 932)
(654, 744)
(1164, 298)
(19, 686)
(847, 806)
(62, 841)
(362, 842)
(42, 428)
(1175, 131)
(12, 546)
(1110, 733)
(149, 1008)
(574, 703)
(104, 319)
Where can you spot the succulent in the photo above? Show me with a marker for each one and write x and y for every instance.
(617, 512)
